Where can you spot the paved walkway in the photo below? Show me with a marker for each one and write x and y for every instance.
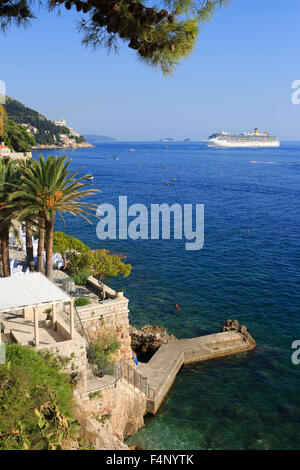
(163, 367)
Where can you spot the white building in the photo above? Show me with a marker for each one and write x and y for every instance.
(61, 123)
(4, 151)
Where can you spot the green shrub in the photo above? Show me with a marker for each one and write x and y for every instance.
(101, 351)
(81, 301)
(81, 278)
(98, 263)
(62, 243)
(31, 385)
(80, 262)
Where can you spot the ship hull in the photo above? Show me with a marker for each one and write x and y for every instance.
(239, 144)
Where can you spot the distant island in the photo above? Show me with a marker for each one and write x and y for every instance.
(99, 138)
(170, 139)
(47, 134)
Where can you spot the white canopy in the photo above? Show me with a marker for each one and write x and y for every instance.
(28, 291)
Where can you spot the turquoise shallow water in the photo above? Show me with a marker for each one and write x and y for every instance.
(249, 401)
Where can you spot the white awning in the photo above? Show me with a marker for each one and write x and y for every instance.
(29, 290)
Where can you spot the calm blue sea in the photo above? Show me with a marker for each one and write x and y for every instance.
(248, 269)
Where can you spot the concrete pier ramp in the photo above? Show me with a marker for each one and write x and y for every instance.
(163, 367)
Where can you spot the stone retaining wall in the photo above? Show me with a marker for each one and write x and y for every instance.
(113, 415)
(109, 318)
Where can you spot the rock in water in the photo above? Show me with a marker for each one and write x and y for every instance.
(235, 326)
(147, 340)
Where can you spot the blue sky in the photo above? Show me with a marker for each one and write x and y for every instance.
(238, 78)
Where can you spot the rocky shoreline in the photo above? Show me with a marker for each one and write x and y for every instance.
(147, 340)
(82, 145)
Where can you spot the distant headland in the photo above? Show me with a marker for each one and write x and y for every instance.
(170, 139)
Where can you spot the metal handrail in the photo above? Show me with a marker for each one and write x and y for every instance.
(134, 377)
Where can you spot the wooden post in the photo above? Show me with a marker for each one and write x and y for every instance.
(71, 319)
(36, 327)
(53, 316)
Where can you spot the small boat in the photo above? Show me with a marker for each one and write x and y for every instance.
(131, 150)
(174, 180)
(90, 177)
(167, 184)
(116, 158)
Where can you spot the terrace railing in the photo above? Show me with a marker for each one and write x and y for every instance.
(110, 376)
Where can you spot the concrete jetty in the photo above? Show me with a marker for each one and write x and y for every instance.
(163, 367)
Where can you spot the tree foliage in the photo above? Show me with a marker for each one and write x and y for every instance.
(16, 137)
(108, 265)
(13, 135)
(161, 35)
(98, 263)
(62, 243)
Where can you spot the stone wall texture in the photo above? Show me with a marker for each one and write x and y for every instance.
(109, 318)
(114, 415)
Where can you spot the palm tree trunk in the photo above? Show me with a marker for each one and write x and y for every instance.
(49, 224)
(4, 235)
(41, 247)
(29, 246)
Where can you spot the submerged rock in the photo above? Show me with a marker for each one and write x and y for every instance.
(147, 340)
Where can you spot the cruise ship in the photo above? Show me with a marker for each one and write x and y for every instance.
(247, 139)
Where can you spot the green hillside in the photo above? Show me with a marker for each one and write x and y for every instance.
(44, 130)
(14, 135)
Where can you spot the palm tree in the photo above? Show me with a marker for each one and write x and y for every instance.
(41, 246)
(8, 177)
(49, 188)
(29, 245)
